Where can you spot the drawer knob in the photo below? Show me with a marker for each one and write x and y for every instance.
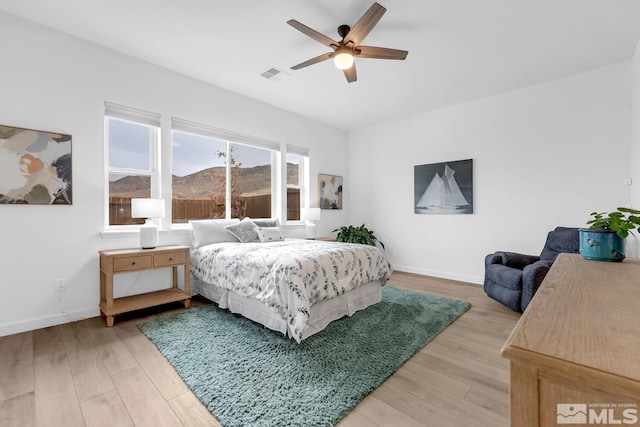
(133, 263)
(170, 259)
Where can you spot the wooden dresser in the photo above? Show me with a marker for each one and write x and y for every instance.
(575, 353)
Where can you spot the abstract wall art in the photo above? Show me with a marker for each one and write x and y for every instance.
(330, 190)
(444, 188)
(35, 167)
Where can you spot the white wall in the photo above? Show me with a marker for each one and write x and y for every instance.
(54, 82)
(543, 156)
(633, 244)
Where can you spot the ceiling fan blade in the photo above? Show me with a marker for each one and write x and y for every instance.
(365, 24)
(327, 41)
(350, 73)
(312, 61)
(380, 52)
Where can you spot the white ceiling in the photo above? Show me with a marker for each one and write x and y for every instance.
(458, 49)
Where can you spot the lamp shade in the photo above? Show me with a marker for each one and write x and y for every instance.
(310, 214)
(147, 208)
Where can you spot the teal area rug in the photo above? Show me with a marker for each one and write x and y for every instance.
(247, 375)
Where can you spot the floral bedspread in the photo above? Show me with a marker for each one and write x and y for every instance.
(289, 276)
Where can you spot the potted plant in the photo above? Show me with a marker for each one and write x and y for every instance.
(604, 239)
(361, 234)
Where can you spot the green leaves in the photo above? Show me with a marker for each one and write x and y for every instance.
(361, 234)
(622, 221)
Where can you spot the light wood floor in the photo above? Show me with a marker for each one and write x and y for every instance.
(84, 374)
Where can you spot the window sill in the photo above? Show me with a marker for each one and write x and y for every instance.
(175, 230)
(119, 234)
(114, 234)
(179, 228)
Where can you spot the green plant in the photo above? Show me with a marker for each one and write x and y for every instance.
(622, 221)
(361, 234)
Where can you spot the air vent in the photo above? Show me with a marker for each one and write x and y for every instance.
(270, 73)
(275, 74)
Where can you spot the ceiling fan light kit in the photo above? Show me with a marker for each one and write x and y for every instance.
(345, 51)
(343, 58)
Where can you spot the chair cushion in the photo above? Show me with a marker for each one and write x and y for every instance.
(505, 296)
(561, 240)
(504, 276)
(516, 260)
(532, 277)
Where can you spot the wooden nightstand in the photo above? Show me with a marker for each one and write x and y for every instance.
(129, 260)
(326, 239)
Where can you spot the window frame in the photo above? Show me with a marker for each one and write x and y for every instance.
(303, 179)
(140, 118)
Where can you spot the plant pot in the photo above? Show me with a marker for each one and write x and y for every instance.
(601, 245)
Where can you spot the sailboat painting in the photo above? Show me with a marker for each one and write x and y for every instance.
(444, 188)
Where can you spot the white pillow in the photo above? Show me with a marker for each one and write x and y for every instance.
(207, 231)
(246, 231)
(270, 234)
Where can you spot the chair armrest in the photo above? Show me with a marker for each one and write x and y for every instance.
(516, 260)
(532, 277)
(492, 259)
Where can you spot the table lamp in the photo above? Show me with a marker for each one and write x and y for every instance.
(308, 215)
(148, 208)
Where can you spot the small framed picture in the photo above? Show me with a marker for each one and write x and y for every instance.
(330, 191)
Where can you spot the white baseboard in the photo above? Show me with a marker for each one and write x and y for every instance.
(46, 321)
(441, 274)
(73, 316)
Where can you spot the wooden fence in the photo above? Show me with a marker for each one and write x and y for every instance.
(182, 210)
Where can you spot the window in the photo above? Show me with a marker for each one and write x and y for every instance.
(198, 177)
(220, 174)
(132, 151)
(210, 173)
(251, 183)
(294, 183)
(297, 180)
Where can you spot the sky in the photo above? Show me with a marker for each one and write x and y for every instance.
(129, 147)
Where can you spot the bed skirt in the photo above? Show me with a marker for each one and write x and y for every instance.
(322, 313)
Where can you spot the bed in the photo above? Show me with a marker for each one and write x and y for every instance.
(293, 286)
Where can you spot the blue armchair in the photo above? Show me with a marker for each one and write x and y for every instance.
(512, 279)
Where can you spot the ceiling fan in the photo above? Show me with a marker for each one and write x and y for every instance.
(349, 47)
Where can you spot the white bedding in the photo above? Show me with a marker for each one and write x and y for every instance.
(322, 313)
(289, 277)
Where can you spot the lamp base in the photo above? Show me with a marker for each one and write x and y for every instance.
(310, 231)
(148, 235)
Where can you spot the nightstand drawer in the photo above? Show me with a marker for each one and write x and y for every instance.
(169, 259)
(132, 263)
